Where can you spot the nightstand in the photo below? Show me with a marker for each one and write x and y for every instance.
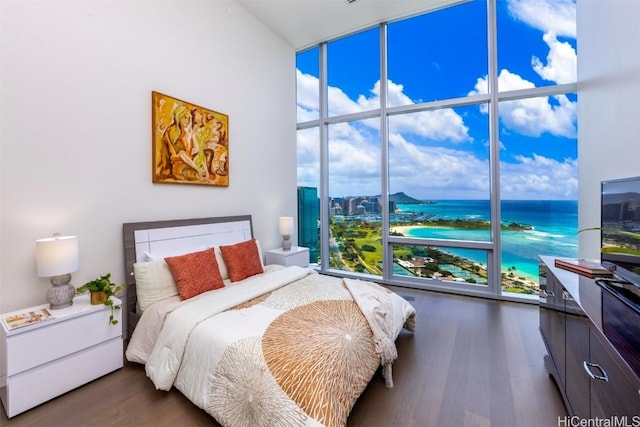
(47, 359)
(296, 256)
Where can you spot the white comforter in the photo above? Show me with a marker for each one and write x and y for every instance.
(218, 357)
(166, 357)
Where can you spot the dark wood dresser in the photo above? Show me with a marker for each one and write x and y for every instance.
(592, 334)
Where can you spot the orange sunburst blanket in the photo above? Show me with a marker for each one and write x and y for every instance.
(299, 355)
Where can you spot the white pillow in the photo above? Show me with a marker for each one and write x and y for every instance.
(224, 272)
(154, 282)
(260, 252)
(148, 256)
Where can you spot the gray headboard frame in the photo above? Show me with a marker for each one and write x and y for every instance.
(132, 232)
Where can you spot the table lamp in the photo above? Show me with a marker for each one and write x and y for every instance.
(285, 225)
(57, 257)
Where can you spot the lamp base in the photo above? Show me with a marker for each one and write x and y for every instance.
(286, 243)
(62, 293)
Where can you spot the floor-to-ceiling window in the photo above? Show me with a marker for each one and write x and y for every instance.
(442, 148)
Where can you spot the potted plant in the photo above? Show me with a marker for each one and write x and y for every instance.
(102, 289)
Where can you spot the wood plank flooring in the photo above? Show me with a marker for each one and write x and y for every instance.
(471, 362)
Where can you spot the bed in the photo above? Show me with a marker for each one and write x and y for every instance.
(250, 344)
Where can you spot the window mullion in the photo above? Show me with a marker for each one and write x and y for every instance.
(494, 256)
(387, 255)
(324, 159)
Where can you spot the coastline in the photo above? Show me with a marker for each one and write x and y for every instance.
(403, 229)
(529, 280)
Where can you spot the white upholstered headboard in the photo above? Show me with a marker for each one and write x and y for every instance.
(174, 237)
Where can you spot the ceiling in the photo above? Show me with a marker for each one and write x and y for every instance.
(304, 23)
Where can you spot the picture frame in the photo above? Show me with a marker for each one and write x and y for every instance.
(190, 143)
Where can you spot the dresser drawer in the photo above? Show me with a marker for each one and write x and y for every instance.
(31, 388)
(58, 339)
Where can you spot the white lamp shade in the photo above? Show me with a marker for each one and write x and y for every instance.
(285, 225)
(56, 256)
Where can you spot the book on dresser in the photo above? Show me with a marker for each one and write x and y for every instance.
(583, 267)
(27, 318)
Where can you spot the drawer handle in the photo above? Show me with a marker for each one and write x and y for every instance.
(587, 367)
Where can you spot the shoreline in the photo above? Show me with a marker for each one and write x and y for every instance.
(529, 280)
(402, 229)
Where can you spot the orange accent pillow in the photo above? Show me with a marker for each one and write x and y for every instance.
(195, 273)
(242, 260)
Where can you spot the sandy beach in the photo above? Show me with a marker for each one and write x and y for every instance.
(532, 282)
(404, 229)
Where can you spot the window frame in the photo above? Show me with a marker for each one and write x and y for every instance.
(492, 99)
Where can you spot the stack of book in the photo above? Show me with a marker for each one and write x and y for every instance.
(584, 267)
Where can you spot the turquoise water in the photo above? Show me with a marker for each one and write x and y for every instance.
(554, 222)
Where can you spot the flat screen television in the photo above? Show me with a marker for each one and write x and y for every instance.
(620, 211)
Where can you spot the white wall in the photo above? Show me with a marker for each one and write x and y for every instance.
(608, 104)
(76, 82)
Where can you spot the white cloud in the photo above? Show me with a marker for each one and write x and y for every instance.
(553, 18)
(535, 116)
(539, 177)
(340, 103)
(532, 116)
(308, 96)
(431, 172)
(506, 81)
(395, 94)
(458, 174)
(562, 61)
(436, 172)
(549, 16)
(354, 160)
(308, 157)
(439, 125)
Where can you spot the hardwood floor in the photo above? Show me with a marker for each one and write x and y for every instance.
(471, 362)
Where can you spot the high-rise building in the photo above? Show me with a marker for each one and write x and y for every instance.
(309, 221)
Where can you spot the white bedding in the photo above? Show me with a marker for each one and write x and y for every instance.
(148, 328)
(218, 359)
(166, 357)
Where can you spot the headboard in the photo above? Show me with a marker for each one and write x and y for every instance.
(173, 237)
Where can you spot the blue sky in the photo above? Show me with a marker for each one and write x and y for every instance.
(443, 154)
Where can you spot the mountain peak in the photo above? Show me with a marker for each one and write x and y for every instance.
(401, 198)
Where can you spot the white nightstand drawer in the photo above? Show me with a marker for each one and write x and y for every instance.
(58, 339)
(297, 255)
(44, 360)
(36, 386)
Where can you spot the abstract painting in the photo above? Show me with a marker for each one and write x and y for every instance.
(190, 143)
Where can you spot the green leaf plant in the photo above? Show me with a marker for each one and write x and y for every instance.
(104, 284)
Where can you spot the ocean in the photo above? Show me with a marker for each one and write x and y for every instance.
(554, 222)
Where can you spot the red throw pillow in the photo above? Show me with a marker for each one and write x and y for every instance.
(242, 260)
(195, 273)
